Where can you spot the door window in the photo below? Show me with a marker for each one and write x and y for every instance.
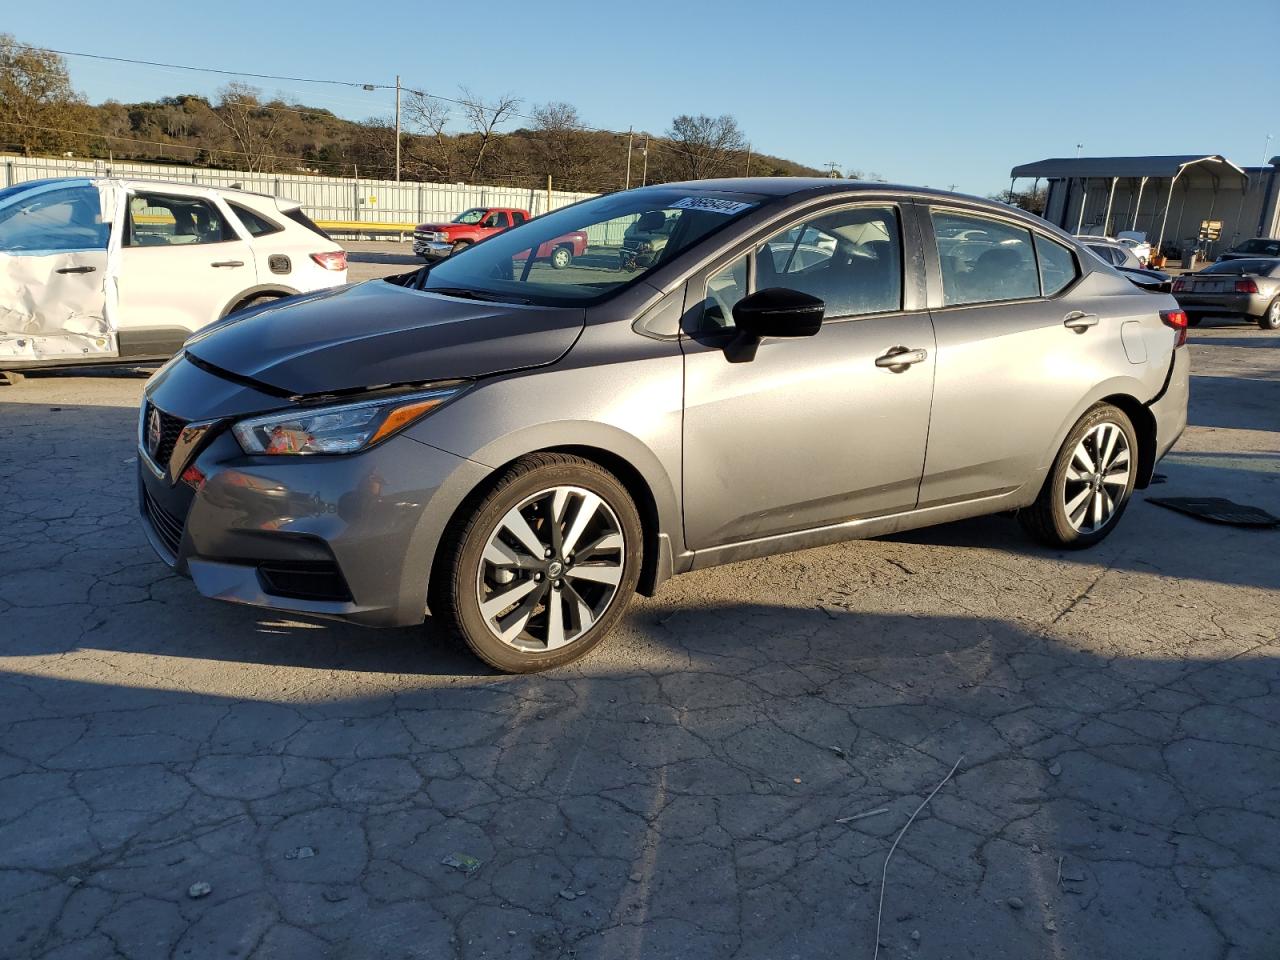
(497, 220)
(1057, 266)
(157, 220)
(517, 217)
(984, 261)
(850, 259)
(53, 220)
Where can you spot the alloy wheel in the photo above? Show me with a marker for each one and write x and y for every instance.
(1097, 478)
(550, 569)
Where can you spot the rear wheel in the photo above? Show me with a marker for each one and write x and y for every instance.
(1090, 484)
(561, 257)
(540, 570)
(1271, 319)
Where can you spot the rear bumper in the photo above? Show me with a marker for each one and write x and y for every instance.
(346, 537)
(1170, 408)
(1223, 304)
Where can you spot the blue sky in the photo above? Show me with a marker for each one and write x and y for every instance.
(935, 93)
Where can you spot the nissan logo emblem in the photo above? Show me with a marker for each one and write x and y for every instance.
(153, 431)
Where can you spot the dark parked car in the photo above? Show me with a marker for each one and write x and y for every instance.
(1252, 249)
(1247, 289)
(518, 449)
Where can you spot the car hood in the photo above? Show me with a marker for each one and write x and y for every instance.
(436, 226)
(377, 333)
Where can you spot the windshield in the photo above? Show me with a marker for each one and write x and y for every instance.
(1267, 248)
(589, 250)
(1261, 268)
(474, 215)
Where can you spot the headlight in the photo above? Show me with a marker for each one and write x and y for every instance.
(340, 428)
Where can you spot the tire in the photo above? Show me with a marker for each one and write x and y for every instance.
(1055, 519)
(459, 247)
(1271, 319)
(482, 560)
(561, 257)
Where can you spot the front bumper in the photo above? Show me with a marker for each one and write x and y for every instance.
(1223, 304)
(432, 249)
(351, 537)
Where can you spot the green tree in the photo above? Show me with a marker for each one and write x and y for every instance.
(39, 110)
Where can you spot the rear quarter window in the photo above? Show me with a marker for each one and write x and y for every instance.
(255, 223)
(298, 217)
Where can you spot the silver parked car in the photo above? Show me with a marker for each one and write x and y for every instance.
(518, 449)
(1249, 289)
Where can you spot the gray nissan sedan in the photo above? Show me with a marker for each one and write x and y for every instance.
(517, 449)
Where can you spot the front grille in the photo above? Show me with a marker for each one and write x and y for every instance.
(304, 580)
(170, 429)
(167, 527)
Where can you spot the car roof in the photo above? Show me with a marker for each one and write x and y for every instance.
(143, 182)
(793, 186)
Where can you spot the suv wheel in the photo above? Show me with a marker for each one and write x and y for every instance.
(540, 570)
(1271, 319)
(1090, 484)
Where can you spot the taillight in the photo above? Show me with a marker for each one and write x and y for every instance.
(1177, 319)
(1179, 285)
(1246, 286)
(332, 260)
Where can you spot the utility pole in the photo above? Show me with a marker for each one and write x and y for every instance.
(747, 172)
(397, 128)
(630, 137)
(548, 193)
(834, 174)
(644, 167)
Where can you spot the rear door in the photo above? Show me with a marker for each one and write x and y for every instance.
(53, 274)
(808, 432)
(1019, 345)
(182, 266)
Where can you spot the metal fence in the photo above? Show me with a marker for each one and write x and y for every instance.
(323, 198)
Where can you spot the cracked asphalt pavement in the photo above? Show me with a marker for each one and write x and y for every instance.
(679, 793)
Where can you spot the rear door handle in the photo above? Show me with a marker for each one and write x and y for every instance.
(899, 358)
(227, 263)
(76, 270)
(1080, 321)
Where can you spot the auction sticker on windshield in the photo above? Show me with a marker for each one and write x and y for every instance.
(711, 205)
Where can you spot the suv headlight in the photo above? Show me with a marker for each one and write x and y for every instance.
(337, 428)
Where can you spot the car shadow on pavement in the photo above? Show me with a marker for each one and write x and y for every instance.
(1263, 340)
(730, 787)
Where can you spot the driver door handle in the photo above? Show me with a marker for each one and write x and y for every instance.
(76, 270)
(1079, 321)
(227, 263)
(901, 357)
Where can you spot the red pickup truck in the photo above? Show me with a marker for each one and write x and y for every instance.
(434, 241)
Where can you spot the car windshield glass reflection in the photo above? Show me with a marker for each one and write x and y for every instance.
(590, 250)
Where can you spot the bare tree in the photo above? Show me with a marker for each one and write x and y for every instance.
(252, 126)
(484, 119)
(1033, 201)
(433, 153)
(568, 151)
(38, 106)
(705, 145)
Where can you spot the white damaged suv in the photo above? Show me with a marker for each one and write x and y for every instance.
(108, 270)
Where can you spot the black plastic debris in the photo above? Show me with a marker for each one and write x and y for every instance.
(1218, 510)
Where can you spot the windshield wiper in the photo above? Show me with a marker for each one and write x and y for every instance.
(468, 294)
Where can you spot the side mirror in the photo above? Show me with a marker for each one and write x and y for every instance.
(778, 312)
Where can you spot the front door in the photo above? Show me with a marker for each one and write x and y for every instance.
(182, 266)
(813, 431)
(53, 274)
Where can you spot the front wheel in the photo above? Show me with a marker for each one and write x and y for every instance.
(1271, 319)
(1090, 484)
(540, 570)
(459, 247)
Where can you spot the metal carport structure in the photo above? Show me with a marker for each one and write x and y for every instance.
(1071, 181)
